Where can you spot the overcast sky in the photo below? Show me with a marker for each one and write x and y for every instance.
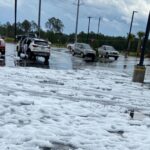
(116, 14)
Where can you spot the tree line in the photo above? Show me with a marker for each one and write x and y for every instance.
(54, 33)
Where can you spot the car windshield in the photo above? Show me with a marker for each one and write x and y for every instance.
(86, 46)
(42, 43)
(109, 48)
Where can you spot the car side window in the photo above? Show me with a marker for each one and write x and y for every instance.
(81, 46)
(25, 42)
(77, 46)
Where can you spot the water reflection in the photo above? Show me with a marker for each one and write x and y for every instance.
(32, 63)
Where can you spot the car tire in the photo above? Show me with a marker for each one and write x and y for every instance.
(116, 57)
(73, 53)
(69, 47)
(101, 56)
(93, 58)
(106, 56)
(18, 53)
(30, 55)
(82, 55)
(46, 58)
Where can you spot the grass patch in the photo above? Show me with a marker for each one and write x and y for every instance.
(9, 40)
(59, 45)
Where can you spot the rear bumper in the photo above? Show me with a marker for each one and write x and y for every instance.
(43, 54)
(90, 55)
(113, 55)
(2, 50)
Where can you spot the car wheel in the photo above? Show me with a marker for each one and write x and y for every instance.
(82, 55)
(101, 56)
(18, 53)
(116, 57)
(73, 53)
(30, 55)
(46, 58)
(106, 56)
(93, 58)
(69, 47)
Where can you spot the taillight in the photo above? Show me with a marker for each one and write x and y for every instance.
(35, 45)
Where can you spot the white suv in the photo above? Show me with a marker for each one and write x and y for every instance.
(108, 51)
(35, 47)
(39, 47)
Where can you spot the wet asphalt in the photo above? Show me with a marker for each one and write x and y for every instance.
(62, 59)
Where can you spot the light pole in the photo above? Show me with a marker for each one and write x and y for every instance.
(140, 69)
(128, 42)
(145, 41)
(77, 20)
(88, 29)
(15, 19)
(99, 21)
(39, 18)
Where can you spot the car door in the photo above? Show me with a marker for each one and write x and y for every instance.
(80, 49)
(103, 50)
(77, 48)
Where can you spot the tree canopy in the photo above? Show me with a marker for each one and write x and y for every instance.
(55, 35)
(55, 25)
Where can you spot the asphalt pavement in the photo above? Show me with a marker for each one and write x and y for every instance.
(62, 59)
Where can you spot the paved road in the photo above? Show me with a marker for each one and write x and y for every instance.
(62, 59)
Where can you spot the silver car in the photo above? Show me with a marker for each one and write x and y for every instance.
(108, 51)
(84, 50)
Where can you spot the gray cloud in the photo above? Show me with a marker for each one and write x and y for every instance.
(116, 14)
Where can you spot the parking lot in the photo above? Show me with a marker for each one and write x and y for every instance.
(62, 59)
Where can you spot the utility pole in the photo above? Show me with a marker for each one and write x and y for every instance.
(88, 29)
(77, 20)
(99, 21)
(128, 43)
(145, 42)
(140, 69)
(39, 18)
(15, 19)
